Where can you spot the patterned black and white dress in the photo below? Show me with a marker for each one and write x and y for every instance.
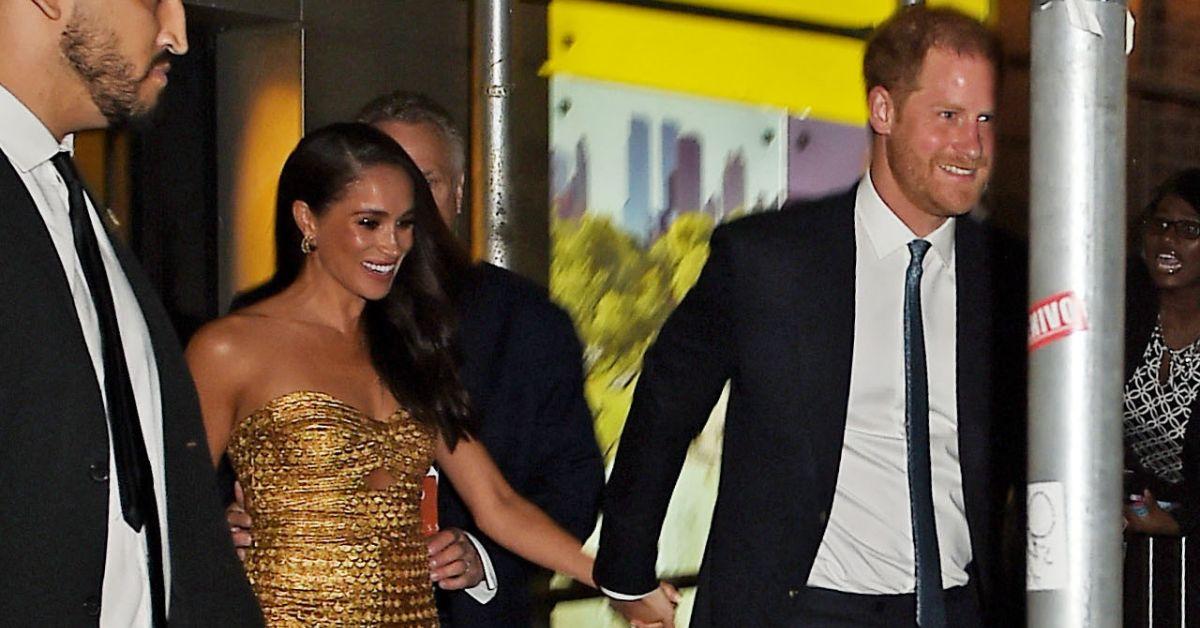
(1157, 412)
(1163, 453)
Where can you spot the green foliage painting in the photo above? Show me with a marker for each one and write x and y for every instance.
(619, 293)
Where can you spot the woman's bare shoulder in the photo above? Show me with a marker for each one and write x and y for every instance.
(235, 338)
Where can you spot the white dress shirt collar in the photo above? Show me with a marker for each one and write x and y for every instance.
(887, 233)
(26, 141)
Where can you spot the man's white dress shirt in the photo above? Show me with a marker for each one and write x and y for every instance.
(868, 544)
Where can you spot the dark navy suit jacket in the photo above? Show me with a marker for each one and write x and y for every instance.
(773, 313)
(522, 367)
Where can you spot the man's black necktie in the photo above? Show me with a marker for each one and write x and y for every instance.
(931, 604)
(135, 480)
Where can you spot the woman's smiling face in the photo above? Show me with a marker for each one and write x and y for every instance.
(362, 237)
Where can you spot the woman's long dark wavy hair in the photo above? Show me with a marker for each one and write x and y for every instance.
(410, 332)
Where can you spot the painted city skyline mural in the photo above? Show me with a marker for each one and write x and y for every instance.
(642, 157)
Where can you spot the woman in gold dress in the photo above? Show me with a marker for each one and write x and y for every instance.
(336, 387)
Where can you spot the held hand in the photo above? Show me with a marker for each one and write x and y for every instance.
(239, 522)
(656, 610)
(453, 561)
(1143, 515)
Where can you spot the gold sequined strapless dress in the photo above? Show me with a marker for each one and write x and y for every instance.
(328, 548)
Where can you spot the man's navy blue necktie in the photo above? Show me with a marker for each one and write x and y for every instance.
(135, 480)
(931, 604)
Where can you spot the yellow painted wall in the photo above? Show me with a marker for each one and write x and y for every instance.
(851, 13)
(848, 13)
(260, 107)
(274, 125)
(706, 56)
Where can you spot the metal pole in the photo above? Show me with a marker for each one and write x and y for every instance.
(491, 97)
(1077, 252)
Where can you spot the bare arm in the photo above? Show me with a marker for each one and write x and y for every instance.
(507, 517)
(212, 357)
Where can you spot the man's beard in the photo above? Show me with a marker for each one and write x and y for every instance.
(917, 177)
(111, 79)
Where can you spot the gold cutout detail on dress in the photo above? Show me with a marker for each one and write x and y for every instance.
(328, 549)
(379, 480)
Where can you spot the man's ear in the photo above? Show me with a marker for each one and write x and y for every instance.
(881, 110)
(52, 9)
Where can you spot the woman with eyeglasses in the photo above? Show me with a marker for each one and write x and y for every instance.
(1162, 384)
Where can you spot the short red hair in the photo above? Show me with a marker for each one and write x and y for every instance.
(896, 50)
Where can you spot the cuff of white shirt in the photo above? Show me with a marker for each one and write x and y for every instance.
(625, 597)
(486, 589)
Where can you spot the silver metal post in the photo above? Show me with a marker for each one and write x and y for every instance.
(491, 97)
(1077, 252)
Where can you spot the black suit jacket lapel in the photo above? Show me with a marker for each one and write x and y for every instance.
(163, 340)
(35, 278)
(973, 371)
(176, 389)
(841, 254)
(822, 315)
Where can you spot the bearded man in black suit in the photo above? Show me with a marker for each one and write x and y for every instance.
(109, 511)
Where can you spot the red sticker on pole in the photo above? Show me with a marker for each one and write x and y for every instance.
(1054, 318)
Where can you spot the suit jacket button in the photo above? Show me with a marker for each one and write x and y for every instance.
(792, 593)
(92, 606)
(99, 471)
